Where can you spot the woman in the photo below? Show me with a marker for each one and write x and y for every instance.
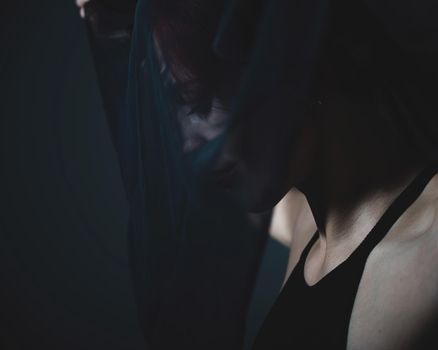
(334, 99)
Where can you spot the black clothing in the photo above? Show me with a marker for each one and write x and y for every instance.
(318, 316)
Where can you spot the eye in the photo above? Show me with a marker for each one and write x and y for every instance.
(200, 110)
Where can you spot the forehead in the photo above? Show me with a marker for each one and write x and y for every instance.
(173, 70)
(197, 76)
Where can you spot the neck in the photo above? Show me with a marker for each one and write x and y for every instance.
(361, 171)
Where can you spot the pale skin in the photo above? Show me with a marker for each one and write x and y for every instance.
(399, 286)
(290, 216)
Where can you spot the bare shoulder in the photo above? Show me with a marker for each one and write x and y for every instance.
(398, 294)
(292, 224)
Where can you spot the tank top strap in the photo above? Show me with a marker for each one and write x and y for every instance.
(397, 208)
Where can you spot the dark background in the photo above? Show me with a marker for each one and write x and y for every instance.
(63, 265)
(64, 278)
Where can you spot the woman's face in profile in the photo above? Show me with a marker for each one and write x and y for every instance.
(257, 170)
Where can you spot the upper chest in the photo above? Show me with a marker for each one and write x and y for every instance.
(396, 293)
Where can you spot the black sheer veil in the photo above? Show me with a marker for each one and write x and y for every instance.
(193, 254)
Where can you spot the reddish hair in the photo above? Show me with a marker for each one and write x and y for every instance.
(185, 30)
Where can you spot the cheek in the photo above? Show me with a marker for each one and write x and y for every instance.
(197, 130)
(275, 157)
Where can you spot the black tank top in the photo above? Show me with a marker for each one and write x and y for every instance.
(318, 316)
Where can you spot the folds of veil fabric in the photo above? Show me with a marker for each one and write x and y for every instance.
(193, 254)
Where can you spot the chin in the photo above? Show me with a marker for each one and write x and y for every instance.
(262, 198)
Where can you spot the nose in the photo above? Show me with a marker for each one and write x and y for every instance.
(198, 130)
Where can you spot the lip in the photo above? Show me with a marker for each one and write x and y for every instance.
(225, 175)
